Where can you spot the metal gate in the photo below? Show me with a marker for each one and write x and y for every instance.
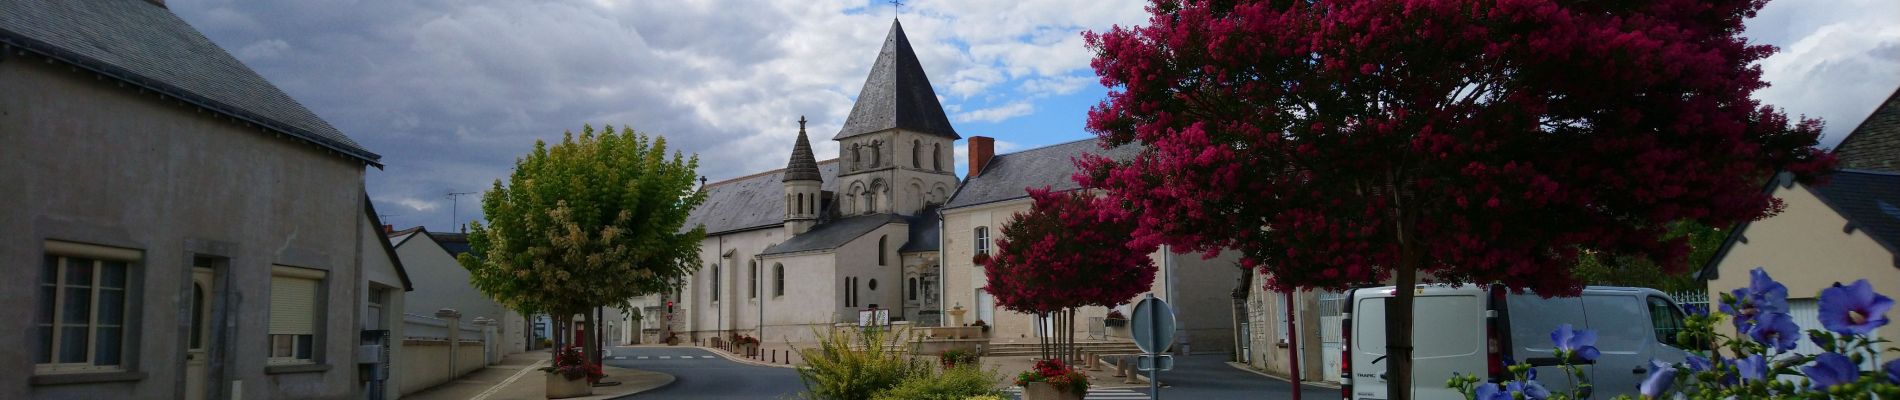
(1329, 335)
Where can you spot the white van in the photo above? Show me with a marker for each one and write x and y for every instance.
(1474, 329)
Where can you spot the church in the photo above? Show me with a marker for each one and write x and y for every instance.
(790, 252)
(797, 249)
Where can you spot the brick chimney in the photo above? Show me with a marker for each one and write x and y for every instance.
(388, 229)
(981, 149)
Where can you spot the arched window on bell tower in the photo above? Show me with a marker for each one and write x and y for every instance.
(936, 156)
(916, 153)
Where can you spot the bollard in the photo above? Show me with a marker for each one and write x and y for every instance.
(1094, 362)
(1121, 370)
(1128, 371)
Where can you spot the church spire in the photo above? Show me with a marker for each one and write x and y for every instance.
(804, 165)
(897, 94)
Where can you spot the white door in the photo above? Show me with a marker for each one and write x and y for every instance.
(985, 307)
(203, 285)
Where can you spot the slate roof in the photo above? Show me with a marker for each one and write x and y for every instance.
(924, 235)
(751, 202)
(803, 165)
(897, 94)
(1875, 144)
(830, 235)
(1870, 200)
(145, 45)
(1008, 176)
(455, 243)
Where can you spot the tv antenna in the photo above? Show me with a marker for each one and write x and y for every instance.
(455, 207)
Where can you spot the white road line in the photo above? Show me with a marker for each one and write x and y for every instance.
(643, 357)
(665, 357)
(705, 356)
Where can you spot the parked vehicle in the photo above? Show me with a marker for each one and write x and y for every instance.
(1474, 329)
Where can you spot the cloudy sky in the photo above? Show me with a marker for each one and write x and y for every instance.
(451, 91)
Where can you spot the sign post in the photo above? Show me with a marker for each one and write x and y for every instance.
(1153, 329)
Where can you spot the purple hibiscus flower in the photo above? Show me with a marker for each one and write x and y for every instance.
(1698, 364)
(1531, 390)
(1777, 331)
(1853, 309)
(1489, 391)
(1753, 368)
(1762, 296)
(1661, 375)
(1580, 344)
(1892, 368)
(1831, 369)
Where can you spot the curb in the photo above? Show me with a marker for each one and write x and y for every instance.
(669, 382)
(1318, 384)
(742, 360)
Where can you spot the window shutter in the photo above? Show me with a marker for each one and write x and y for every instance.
(293, 298)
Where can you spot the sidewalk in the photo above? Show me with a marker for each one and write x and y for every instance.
(518, 377)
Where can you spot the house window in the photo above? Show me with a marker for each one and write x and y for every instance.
(752, 278)
(715, 283)
(295, 304)
(913, 289)
(983, 240)
(778, 274)
(847, 293)
(373, 317)
(82, 308)
(880, 250)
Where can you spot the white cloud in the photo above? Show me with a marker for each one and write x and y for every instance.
(416, 204)
(998, 113)
(1837, 62)
(263, 49)
(1057, 86)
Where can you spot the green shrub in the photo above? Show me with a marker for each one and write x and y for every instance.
(953, 384)
(955, 357)
(855, 366)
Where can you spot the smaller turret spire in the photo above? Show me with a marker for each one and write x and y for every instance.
(804, 165)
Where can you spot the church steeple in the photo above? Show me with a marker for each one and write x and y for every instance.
(802, 186)
(804, 165)
(897, 94)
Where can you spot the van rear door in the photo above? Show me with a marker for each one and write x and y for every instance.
(1447, 334)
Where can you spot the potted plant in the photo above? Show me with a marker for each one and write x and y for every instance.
(1115, 319)
(980, 323)
(1053, 380)
(744, 344)
(572, 375)
(672, 339)
(955, 357)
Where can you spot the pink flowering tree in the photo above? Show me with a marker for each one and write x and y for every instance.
(1069, 250)
(1336, 143)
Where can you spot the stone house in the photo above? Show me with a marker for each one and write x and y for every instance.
(179, 227)
(995, 191)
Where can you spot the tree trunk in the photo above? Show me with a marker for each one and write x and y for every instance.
(1398, 323)
(590, 329)
(1398, 313)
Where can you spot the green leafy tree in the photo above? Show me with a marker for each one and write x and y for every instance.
(1613, 270)
(590, 222)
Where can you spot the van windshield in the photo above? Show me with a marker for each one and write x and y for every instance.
(1441, 325)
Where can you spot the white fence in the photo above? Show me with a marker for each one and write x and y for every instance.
(1698, 299)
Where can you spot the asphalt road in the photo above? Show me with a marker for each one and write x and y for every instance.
(1207, 376)
(701, 375)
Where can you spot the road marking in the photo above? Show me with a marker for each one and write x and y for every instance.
(643, 357)
(705, 356)
(620, 357)
(511, 379)
(665, 357)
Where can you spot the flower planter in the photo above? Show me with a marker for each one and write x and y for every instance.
(559, 387)
(1046, 391)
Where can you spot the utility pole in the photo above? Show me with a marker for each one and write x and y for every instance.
(455, 206)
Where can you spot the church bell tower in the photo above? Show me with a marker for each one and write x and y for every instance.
(802, 186)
